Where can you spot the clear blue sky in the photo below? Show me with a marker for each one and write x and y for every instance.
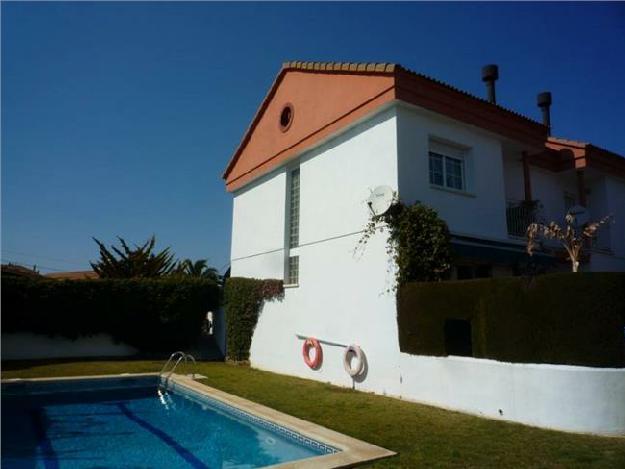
(118, 118)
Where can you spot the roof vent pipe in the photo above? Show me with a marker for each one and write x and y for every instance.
(490, 74)
(544, 103)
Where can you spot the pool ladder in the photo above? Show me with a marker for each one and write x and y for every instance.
(178, 357)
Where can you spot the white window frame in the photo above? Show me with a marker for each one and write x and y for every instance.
(444, 159)
(449, 152)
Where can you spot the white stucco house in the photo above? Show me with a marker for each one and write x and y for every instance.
(327, 134)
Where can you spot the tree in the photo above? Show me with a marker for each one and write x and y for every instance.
(200, 269)
(573, 238)
(140, 261)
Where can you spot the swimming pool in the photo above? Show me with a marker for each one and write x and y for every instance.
(130, 422)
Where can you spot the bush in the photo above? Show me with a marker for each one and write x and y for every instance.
(244, 298)
(149, 314)
(575, 319)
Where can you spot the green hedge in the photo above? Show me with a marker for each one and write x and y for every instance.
(149, 314)
(244, 298)
(575, 319)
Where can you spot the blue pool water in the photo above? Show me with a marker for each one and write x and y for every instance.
(130, 423)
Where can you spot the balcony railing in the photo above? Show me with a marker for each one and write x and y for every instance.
(602, 241)
(519, 215)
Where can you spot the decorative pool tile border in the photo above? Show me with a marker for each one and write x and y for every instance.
(246, 416)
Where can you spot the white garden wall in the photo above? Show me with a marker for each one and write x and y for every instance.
(27, 346)
(572, 398)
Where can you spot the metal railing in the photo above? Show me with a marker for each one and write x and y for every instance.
(519, 215)
(180, 357)
(602, 240)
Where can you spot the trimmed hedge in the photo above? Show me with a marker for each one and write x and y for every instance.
(244, 298)
(149, 314)
(575, 319)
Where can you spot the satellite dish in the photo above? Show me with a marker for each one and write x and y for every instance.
(380, 200)
(580, 213)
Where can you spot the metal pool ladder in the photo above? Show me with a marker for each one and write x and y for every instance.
(178, 356)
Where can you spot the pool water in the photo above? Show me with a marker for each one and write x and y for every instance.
(130, 423)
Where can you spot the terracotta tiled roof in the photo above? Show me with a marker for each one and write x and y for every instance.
(530, 126)
(564, 141)
(18, 271)
(380, 67)
(579, 155)
(79, 275)
(385, 67)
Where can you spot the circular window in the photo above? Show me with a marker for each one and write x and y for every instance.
(286, 117)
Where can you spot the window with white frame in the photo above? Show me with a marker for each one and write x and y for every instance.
(447, 166)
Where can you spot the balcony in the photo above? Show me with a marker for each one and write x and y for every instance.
(520, 214)
(602, 242)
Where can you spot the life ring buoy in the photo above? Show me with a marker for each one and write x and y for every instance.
(315, 362)
(353, 369)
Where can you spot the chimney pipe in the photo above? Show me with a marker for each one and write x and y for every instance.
(490, 74)
(544, 103)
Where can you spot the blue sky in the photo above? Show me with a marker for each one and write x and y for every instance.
(118, 118)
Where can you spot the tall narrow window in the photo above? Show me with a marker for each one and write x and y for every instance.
(293, 271)
(569, 201)
(292, 241)
(294, 209)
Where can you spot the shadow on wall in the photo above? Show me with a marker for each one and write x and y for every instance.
(362, 376)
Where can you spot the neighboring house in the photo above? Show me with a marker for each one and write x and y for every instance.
(326, 135)
(78, 275)
(15, 270)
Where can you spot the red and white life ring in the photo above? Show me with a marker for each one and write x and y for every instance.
(314, 362)
(353, 369)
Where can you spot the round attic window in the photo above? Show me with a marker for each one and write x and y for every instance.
(286, 117)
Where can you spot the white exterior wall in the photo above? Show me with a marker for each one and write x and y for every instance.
(479, 211)
(615, 196)
(341, 296)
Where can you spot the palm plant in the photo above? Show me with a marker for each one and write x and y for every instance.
(573, 237)
(200, 269)
(140, 261)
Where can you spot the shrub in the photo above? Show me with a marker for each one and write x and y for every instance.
(575, 319)
(149, 314)
(244, 298)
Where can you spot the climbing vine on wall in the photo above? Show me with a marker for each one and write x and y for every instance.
(418, 242)
(244, 299)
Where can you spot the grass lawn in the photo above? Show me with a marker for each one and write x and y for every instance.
(423, 436)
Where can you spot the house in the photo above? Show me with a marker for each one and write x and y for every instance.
(15, 270)
(323, 138)
(75, 275)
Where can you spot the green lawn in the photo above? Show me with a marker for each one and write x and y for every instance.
(423, 436)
